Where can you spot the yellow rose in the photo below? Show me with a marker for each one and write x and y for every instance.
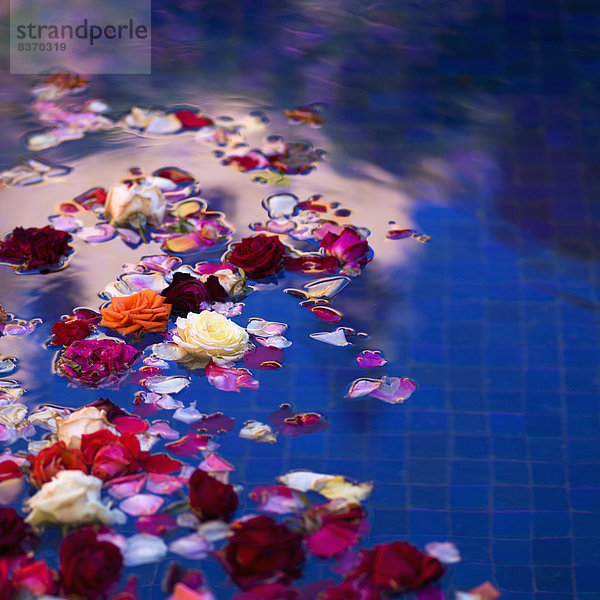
(134, 202)
(71, 498)
(205, 336)
(85, 420)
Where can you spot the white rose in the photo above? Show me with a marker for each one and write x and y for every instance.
(71, 498)
(86, 420)
(205, 336)
(126, 202)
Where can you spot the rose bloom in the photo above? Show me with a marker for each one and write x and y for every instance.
(96, 363)
(49, 461)
(210, 499)
(16, 536)
(69, 331)
(202, 337)
(135, 203)
(142, 312)
(188, 294)
(35, 578)
(89, 567)
(231, 278)
(259, 256)
(86, 420)
(345, 243)
(35, 248)
(262, 550)
(70, 498)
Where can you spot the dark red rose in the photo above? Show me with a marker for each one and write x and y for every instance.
(110, 455)
(269, 591)
(49, 461)
(210, 499)
(69, 331)
(314, 265)
(261, 550)
(16, 536)
(35, 248)
(88, 566)
(398, 567)
(259, 256)
(187, 294)
(192, 120)
(34, 577)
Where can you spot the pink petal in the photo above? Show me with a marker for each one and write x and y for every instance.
(277, 499)
(189, 445)
(399, 234)
(370, 358)
(130, 424)
(230, 379)
(394, 389)
(125, 487)
(161, 483)
(214, 463)
(192, 546)
(160, 524)
(164, 430)
(141, 504)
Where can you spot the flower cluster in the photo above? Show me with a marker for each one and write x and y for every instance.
(35, 249)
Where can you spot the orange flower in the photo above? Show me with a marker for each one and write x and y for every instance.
(145, 312)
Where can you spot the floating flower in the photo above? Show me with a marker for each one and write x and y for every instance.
(34, 578)
(202, 337)
(70, 498)
(89, 566)
(187, 293)
(16, 536)
(211, 499)
(86, 420)
(135, 204)
(262, 550)
(345, 243)
(96, 363)
(49, 461)
(75, 327)
(259, 256)
(35, 249)
(142, 312)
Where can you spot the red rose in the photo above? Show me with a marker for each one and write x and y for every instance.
(49, 461)
(210, 499)
(259, 256)
(35, 248)
(398, 567)
(16, 536)
(110, 455)
(269, 591)
(35, 577)
(88, 567)
(187, 294)
(7, 589)
(69, 331)
(260, 550)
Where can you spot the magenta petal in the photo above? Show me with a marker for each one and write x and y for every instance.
(141, 504)
(370, 358)
(130, 424)
(215, 423)
(230, 379)
(125, 487)
(161, 483)
(160, 524)
(277, 499)
(163, 429)
(394, 389)
(399, 234)
(265, 357)
(293, 424)
(188, 445)
(214, 464)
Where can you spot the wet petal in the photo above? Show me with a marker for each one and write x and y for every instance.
(394, 390)
(215, 423)
(192, 546)
(362, 387)
(130, 424)
(445, 552)
(164, 430)
(142, 549)
(189, 445)
(188, 415)
(141, 504)
(230, 379)
(97, 234)
(277, 499)
(335, 338)
(292, 424)
(126, 487)
(166, 384)
(258, 432)
(370, 358)
(160, 524)
(161, 483)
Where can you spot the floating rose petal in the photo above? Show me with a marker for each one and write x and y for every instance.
(18, 327)
(445, 552)
(292, 424)
(277, 499)
(188, 415)
(214, 464)
(189, 445)
(486, 591)
(130, 424)
(258, 432)
(264, 357)
(128, 486)
(261, 328)
(160, 483)
(326, 314)
(192, 546)
(65, 222)
(400, 234)
(362, 387)
(97, 234)
(142, 505)
(394, 389)
(230, 379)
(330, 486)
(314, 265)
(11, 489)
(327, 287)
(142, 549)
(176, 175)
(166, 385)
(370, 358)
(215, 423)
(164, 430)
(129, 236)
(334, 338)
(160, 524)
(6, 433)
(280, 205)
(144, 373)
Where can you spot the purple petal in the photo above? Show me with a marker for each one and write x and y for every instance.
(370, 358)
(97, 234)
(215, 423)
(394, 389)
(156, 524)
(164, 430)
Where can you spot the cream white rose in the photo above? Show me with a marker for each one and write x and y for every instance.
(71, 498)
(86, 420)
(205, 336)
(130, 202)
